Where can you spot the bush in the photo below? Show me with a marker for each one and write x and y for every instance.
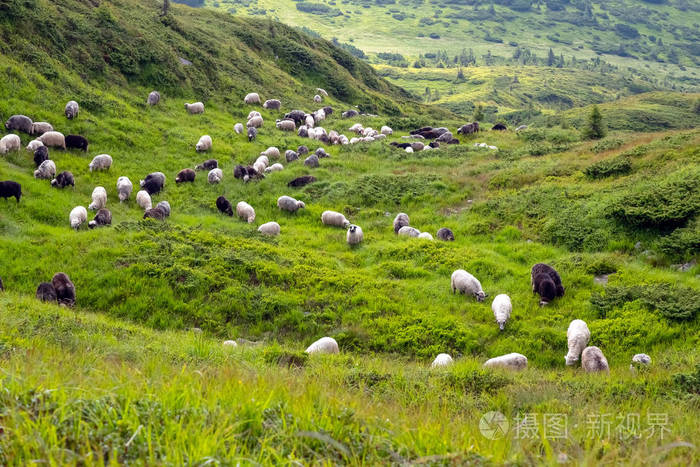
(682, 243)
(595, 129)
(278, 356)
(689, 382)
(606, 168)
(607, 144)
(673, 302)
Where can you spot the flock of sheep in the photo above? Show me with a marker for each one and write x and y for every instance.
(546, 282)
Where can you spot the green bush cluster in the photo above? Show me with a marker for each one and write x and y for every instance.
(609, 167)
(673, 302)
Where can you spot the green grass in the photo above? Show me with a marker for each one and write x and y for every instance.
(77, 384)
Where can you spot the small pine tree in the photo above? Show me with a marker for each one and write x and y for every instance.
(460, 73)
(166, 6)
(696, 106)
(478, 113)
(550, 58)
(595, 129)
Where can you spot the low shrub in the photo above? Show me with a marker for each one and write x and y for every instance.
(609, 167)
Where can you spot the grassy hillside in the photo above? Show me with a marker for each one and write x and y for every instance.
(77, 384)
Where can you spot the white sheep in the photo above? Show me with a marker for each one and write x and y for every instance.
(124, 188)
(39, 128)
(164, 206)
(312, 161)
(99, 199)
(153, 98)
(409, 149)
(254, 113)
(354, 235)
(252, 98)
(401, 220)
(101, 162)
(271, 152)
(319, 115)
(245, 211)
(322, 92)
(577, 337)
(274, 168)
(269, 228)
(511, 361)
(640, 359)
(196, 108)
(323, 345)
(77, 217)
(255, 122)
(272, 104)
(230, 344)
(417, 146)
(47, 170)
(318, 99)
(425, 235)
(593, 360)
(9, 143)
(72, 110)
(356, 128)
(286, 125)
(262, 159)
(441, 360)
(466, 284)
(334, 219)
(143, 199)
(204, 144)
(259, 167)
(502, 308)
(215, 176)
(387, 130)
(34, 145)
(238, 128)
(309, 121)
(409, 231)
(287, 203)
(342, 139)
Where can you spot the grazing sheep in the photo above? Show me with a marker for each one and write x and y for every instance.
(400, 220)
(319, 116)
(318, 99)
(63, 179)
(511, 361)
(297, 115)
(99, 199)
(323, 345)
(577, 337)
(434, 145)
(354, 235)
(445, 234)
(521, 128)
(72, 110)
(10, 189)
(19, 123)
(252, 134)
(309, 121)
(271, 152)
(426, 236)
(153, 183)
(502, 308)
(274, 168)
(124, 188)
(469, 128)
(76, 142)
(245, 211)
(290, 155)
(350, 113)
(204, 144)
(102, 218)
(322, 92)
(272, 104)
(247, 173)
(417, 146)
(357, 128)
(224, 206)
(409, 231)
(321, 153)
(252, 98)
(185, 175)
(546, 282)
(238, 128)
(9, 143)
(303, 131)
(499, 127)
(311, 161)
(640, 360)
(334, 219)
(39, 128)
(34, 145)
(301, 181)
(155, 213)
(286, 125)
(445, 137)
(196, 108)
(593, 360)
(143, 199)
(467, 284)
(269, 228)
(328, 110)
(254, 113)
(385, 130)
(207, 165)
(259, 166)
(153, 98)
(45, 292)
(441, 360)
(53, 139)
(230, 343)
(77, 217)
(46, 171)
(287, 203)
(240, 172)
(101, 162)
(215, 176)
(40, 155)
(165, 207)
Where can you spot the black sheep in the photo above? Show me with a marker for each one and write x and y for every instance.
(103, 217)
(499, 127)
(63, 179)
(76, 142)
(155, 213)
(19, 123)
(9, 189)
(65, 290)
(546, 282)
(224, 205)
(240, 172)
(45, 292)
(207, 165)
(301, 181)
(252, 134)
(301, 150)
(350, 113)
(185, 175)
(445, 234)
(153, 183)
(434, 144)
(297, 115)
(328, 110)
(41, 154)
